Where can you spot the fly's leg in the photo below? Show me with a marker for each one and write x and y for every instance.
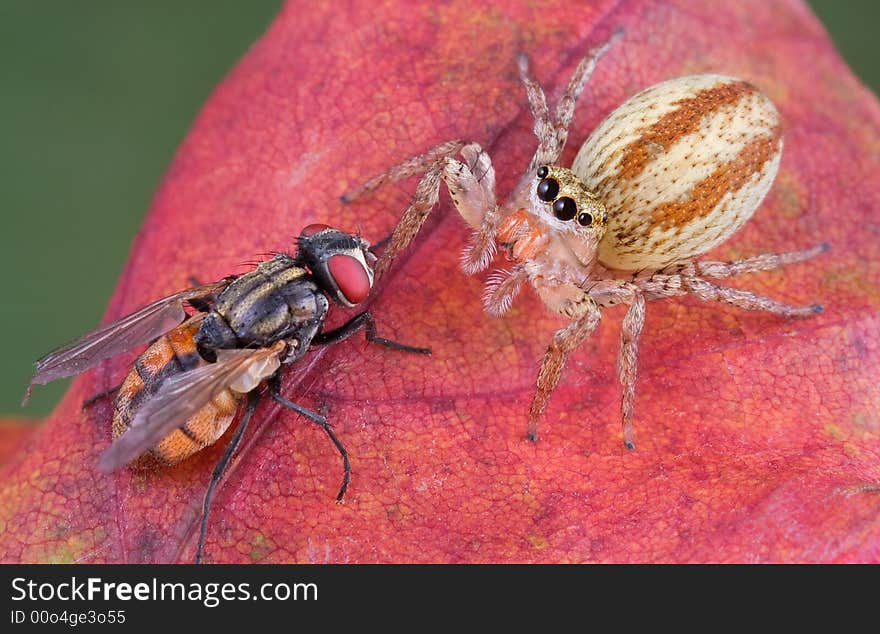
(564, 342)
(100, 395)
(365, 321)
(253, 401)
(321, 421)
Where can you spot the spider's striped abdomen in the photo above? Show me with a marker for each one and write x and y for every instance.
(680, 167)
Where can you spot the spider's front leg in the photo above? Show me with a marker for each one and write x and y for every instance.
(471, 185)
(552, 129)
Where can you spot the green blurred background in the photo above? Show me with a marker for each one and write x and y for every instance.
(96, 96)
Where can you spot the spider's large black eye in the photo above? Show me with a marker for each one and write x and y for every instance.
(543, 171)
(565, 208)
(548, 189)
(585, 219)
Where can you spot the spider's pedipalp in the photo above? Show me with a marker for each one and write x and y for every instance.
(501, 289)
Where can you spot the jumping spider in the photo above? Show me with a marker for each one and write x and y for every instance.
(668, 175)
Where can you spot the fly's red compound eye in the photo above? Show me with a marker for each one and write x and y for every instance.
(310, 230)
(351, 277)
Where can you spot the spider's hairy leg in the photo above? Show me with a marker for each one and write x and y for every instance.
(690, 277)
(410, 167)
(610, 292)
(543, 128)
(426, 197)
(552, 132)
(627, 362)
(577, 83)
(763, 262)
(747, 300)
(564, 342)
(471, 186)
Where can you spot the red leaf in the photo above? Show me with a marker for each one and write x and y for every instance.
(758, 437)
(12, 435)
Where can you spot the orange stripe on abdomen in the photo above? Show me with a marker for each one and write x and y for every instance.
(680, 167)
(684, 119)
(727, 178)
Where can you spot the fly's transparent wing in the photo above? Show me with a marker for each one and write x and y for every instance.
(180, 397)
(135, 329)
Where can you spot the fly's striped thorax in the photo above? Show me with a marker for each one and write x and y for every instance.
(680, 167)
(265, 304)
(171, 354)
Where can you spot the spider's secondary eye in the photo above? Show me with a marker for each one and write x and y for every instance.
(543, 171)
(565, 208)
(547, 189)
(585, 219)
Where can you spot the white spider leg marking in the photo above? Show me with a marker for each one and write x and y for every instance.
(564, 342)
(502, 287)
(405, 169)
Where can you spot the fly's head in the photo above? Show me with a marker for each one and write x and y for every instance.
(560, 208)
(342, 263)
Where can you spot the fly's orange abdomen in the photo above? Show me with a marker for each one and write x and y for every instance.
(173, 353)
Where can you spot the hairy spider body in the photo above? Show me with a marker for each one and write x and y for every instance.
(669, 174)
